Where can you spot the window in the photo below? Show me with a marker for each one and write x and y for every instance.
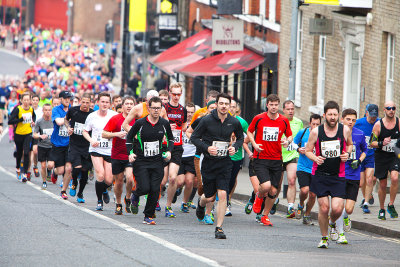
(297, 99)
(390, 67)
(263, 8)
(321, 71)
(272, 10)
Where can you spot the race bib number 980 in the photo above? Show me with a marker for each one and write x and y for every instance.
(330, 149)
(270, 134)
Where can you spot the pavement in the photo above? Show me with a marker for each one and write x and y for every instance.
(361, 221)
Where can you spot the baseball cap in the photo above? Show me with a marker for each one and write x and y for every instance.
(151, 94)
(372, 110)
(65, 94)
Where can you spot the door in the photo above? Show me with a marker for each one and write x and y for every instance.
(351, 94)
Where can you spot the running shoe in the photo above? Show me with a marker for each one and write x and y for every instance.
(149, 221)
(249, 207)
(299, 212)
(371, 201)
(99, 205)
(366, 209)
(18, 172)
(323, 243)
(91, 175)
(307, 220)
(258, 218)
(266, 221)
(342, 239)
(212, 217)
(24, 179)
(106, 197)
(291, 213)
(177, 194)
(333, 234)
(169, 213)
(61, 184)
(346, 224)
(72, 191)
(362, 202)
(80, 199)
(36, 171)
(257, 204)
(118, 209)
(228, 211)
(382, 215)
(200, 211)
(207, 220)
(53, 177)
(392, 211)
(44, 186)
(64, 195)
(127, 205)
(191, 205)
(273, 209)
(48, 178)
(134, 204)
(184, 208)
(158, 207)
(219, 233)
(28, 176)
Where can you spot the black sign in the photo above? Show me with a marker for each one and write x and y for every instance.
(229, 7)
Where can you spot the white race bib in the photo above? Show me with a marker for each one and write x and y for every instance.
(186, 140)
(177, 136)
(270, 134)
(353, 155)
(330, 149)
(63, 131)
(3, 99)
(367, 138)
(48, 132)
(122, 130)
(103, 142)
(151, 149)
(27, 118)
(292, 147)
(222, 148)
(78, 128)
(389, 147)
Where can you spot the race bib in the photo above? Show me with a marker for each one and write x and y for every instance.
(292, 147)
(330, 149)
(122, 130)
(177, 136)
(48, 132)
(78, 128)
(103, 142)
(151, 149)
(270, 134)
(367, 138)
(63, 131)
(222, 148)
(389, 147)
(186, 140)
(27, 117)
(3, 99)
(353, 155)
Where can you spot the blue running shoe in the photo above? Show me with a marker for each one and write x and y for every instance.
(169, 213)
(106, 197)
(207, 220)
(61, 184)
(149, 221)
(134, 204)
(80, 200)
(158, 207)
(72, 191)
(191, 205)
(99, 205)
(18, 175)
(366, 209)
(24, 179)
(184, 208)
(70, 184)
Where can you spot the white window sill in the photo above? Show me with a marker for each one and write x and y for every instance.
(316, 110)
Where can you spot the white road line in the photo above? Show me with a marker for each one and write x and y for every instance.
(354, 232)
(124, 226)
(5, 131)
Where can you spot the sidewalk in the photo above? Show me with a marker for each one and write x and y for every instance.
(360, 221)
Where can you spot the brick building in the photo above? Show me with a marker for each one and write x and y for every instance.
(355, 66)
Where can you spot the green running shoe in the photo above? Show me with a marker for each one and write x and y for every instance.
(392, 211)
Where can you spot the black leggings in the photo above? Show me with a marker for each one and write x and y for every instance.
(24, 145)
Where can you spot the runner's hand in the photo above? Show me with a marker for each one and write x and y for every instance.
(386, 141)
(173, 126)
(70, 131)
(212, 150)
(121, 134)
(258, 148)
(344, 157)
(132, 157)
(284, 142)
(355, 164)
(251, 155)
(94, 144)
(167, 156)
(320, 160)
(302, 150)
(231, 150)
(43, 136)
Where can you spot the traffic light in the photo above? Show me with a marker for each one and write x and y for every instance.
(109, 33)
(138, 42)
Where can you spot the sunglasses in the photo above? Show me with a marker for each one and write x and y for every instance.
(390, 108)
(176, 94)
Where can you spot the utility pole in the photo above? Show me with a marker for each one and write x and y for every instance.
(293, 49)
(126, 63)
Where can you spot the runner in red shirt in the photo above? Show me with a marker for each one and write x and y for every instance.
(119, 156)
(265, 134)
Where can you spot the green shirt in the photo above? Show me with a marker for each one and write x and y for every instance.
(240, 153)
(44, 101)
(296, 125)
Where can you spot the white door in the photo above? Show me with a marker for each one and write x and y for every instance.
(351, 94)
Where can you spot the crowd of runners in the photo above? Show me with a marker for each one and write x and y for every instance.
(63, 115)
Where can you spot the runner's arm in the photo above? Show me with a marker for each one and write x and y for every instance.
(14, 117)
(349, 139)
(312, 139)
(131, 135)
(189, 132)
(164, 114)
(129, 118)
(170, 137)
(239, 136)
(374, 136)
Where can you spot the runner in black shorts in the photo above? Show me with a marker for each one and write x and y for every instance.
(42, 132)
(333, 145)
(145, 139)
(213, 137)
(78, 154)
(120, 164)
(385, 135)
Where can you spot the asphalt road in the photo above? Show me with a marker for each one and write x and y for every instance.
(37, 227)
(12, 65)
